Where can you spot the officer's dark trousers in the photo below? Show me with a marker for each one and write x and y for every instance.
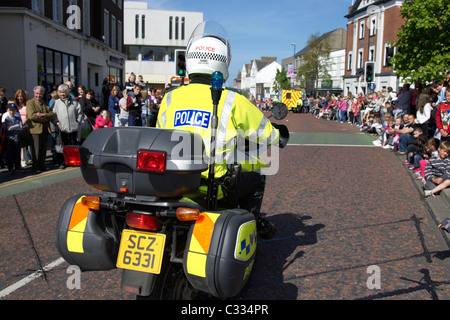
(250, 192)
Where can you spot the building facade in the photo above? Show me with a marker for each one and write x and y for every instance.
(372, 26)
(52, 41)
(151, 38)
(258, 77)
(336, 42)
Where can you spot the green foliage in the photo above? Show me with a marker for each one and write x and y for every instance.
(315, 62)
(423, 45)
(282, 81)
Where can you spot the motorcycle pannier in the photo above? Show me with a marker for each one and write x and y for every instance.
(86, 238)
(110, 161)
(220, 251)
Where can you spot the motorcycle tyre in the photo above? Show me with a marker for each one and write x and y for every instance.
(172, 283)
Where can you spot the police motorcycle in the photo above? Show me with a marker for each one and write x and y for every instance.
(154, 218)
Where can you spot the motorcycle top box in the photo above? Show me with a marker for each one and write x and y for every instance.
(143, 161)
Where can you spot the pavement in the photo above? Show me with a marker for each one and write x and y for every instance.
(438, 206)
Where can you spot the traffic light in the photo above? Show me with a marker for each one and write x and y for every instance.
(369, 71)
(180, 63)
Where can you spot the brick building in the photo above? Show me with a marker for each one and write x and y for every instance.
(372, 26)
(51, 41)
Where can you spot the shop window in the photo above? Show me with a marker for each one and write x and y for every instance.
(132, 52)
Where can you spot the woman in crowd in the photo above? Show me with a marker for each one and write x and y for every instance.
(68, 118)
(90, 106)
(113, 106)
(423, 114)
(81, 90)
(21, 98)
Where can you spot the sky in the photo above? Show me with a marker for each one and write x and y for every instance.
(259, 28)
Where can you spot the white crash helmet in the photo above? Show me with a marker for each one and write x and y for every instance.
(208, 50)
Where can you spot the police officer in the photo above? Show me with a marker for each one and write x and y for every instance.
(190, 108)
(300, 105)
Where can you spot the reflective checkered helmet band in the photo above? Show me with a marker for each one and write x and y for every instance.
(207, 56)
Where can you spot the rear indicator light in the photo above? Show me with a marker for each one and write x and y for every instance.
(72, 156)
(143, 221)
(152, 161)
(91, 202)
(188, 214)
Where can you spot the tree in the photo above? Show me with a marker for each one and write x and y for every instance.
(423, 45)
(315, 63)
(282, 81)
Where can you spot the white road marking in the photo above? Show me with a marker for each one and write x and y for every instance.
(19, 284)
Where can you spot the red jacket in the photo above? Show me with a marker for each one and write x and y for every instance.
(443, 116)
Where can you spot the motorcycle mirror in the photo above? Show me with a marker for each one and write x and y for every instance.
(280, 111)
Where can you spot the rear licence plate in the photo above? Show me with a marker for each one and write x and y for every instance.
(141, 251)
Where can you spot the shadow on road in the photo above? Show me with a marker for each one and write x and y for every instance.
(278, 258)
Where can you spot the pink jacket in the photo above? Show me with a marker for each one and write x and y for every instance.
(343, 105)
(101, 123)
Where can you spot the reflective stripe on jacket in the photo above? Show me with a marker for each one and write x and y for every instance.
(190, 108)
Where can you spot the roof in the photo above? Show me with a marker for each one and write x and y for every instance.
(355, 8)
(260, 64)
(323, 37)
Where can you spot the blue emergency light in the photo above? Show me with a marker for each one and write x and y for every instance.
(217, 80)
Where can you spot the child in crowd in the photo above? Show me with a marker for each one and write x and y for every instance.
(375, 128)
(437, 169)
(413, 145)
(385, 140)
(431, 150)
(389, 133)
(12, 125)
(398, 125)
(416, 154)
(439, 188)
(103, 120)
(443, 118)
(367, 124)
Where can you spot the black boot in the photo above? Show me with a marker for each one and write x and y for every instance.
(265, 228)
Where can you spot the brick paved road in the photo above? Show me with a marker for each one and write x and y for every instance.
(340, 205)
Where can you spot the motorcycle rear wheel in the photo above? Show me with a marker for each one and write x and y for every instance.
(172, 283)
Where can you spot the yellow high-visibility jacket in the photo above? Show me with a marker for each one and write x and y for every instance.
(190, 108)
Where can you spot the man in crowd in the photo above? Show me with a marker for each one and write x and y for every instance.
(40, 116)
(134, 106)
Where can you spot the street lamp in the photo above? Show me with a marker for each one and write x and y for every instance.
(293, 64)
(293, 57)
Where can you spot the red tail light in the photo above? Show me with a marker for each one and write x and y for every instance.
(72, 156)
(143, 221)
(152, 161)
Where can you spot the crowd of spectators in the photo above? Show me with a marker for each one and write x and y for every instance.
(32, 126)
(411, 122)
